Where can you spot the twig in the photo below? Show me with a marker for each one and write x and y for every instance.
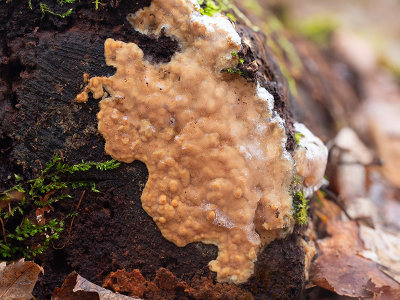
(336, 199)
(72, 222)
(4, 231)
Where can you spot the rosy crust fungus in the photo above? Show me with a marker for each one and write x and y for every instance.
(219, 172)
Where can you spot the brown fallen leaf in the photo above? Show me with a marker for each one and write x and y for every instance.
(75, 287)
(14, 196)
(341, 270)
(382, 247)
(383, 293)
(18, 279)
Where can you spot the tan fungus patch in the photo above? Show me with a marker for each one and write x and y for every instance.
(215, 152)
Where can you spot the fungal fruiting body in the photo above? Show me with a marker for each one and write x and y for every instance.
(219, 172)
(311, 157)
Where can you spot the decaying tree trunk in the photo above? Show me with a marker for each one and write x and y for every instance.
(42, 61)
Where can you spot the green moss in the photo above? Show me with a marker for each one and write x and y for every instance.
(230, 16)
(97, 3)
(300, 205)
(297, 137)
(234, 70)
(297, 182)
(45, 9)
(212, 7)
(28, 230)
(52, 185)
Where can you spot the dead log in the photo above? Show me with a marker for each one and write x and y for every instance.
(42, 60)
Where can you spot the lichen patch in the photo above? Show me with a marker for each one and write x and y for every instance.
(219, 172)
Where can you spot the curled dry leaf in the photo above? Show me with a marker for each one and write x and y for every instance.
(18, 279)
(341, 270)
(75, 287)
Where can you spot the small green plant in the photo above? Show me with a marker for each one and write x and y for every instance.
(28, 230)
(212, 7)
(97, 4)
(297, 137)
(234, 70)
(300, 205)
(44, 8)
(52, 185)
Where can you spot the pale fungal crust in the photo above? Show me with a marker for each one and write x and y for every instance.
(311, 158)
(219, 172)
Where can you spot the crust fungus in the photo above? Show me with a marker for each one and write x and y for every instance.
(219, 172)
(311, 157)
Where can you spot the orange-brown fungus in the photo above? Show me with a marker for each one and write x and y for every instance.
(215, 151)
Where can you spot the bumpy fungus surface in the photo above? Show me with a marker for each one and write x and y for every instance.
(311, 157)
(219, 172)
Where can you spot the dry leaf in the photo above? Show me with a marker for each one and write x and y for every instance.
(18, 279)
(75, 287)
(382, 247)
(348, 140)
(341, 270)
(40, 217)
(14, 196)
(383, 293)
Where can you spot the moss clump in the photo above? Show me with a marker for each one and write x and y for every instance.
(234, 70)
(20, 235)
(45, 9)
(300, 205)
(211, 7)
(297, 137)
